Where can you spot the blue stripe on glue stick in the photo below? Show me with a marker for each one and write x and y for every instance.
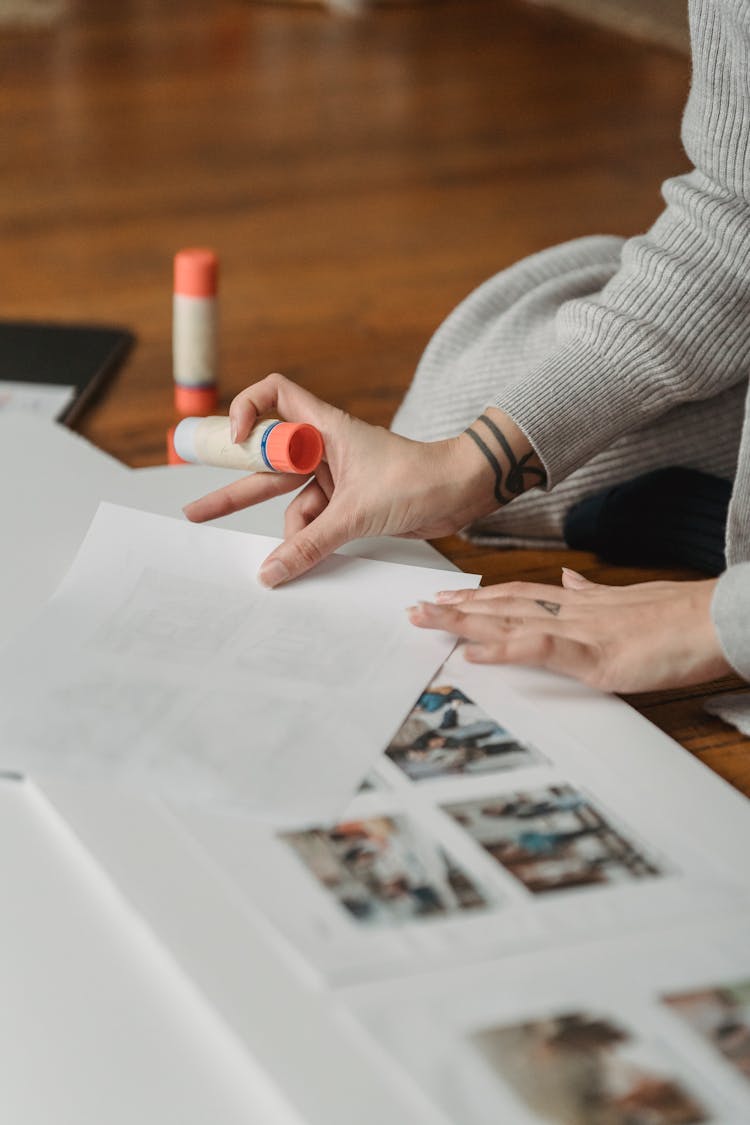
(263, 441)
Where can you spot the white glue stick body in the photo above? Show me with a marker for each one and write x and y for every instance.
(273, 446)
(195, 331)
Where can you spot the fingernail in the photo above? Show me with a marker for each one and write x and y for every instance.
(273, 573)
(232, 431)
(574, 576)
(423, 609)
(445, 596)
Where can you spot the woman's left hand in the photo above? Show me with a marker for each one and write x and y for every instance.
(617, 638)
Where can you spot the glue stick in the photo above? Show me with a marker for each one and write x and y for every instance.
(273, 446)
(195, 331)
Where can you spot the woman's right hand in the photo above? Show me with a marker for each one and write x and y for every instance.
(371, 482)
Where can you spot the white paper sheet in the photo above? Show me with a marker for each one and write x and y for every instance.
(501, 820)
(97, 1022)
(653, 1029)
(41, 400)
(732, 707)
(239, 905)
(52, 481)
(162, 665)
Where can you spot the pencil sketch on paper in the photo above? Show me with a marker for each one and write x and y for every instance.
(382, 870)
(96, 722)
(270, 645)
(582, 1068)
(446, 734)
(167, 617)
(552, 839)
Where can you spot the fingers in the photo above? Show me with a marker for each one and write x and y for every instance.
(277, 394)
(304, 508)
(305, 549)
(539, 643)
(530, 591)
(240, 494)
(479, 623)
(539, 650)
(575, 592)
(325, 479)
(512, 609)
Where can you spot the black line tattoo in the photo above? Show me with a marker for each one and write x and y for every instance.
(515, 481)
(551, 607)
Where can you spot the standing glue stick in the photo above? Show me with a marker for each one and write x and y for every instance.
(195, 337)
(273, 446)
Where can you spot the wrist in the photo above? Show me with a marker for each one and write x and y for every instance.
(496, 461)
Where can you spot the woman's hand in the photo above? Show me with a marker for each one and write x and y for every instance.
(370, 483)
(617, 638)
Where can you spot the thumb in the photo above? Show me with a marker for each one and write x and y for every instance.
(306, 549)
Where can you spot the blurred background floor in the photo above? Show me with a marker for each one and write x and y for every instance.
(357, 177)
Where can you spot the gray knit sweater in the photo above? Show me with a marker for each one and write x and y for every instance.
(616, 357)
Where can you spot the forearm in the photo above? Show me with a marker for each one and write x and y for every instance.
(671, 325)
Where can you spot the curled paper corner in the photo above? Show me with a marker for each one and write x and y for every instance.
(731, 706)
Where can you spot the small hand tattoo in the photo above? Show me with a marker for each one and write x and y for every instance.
(520, 474)
(551, 607)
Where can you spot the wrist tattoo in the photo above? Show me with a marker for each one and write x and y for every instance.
(520, 475)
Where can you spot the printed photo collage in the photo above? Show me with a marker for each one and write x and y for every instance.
(519, 836)
(586, 1067)
(637, 1033)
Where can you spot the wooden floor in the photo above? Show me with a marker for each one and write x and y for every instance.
(358, 178)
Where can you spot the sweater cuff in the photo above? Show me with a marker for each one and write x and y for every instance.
(730, 612)
(574, 405)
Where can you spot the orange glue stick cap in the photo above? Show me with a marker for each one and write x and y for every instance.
(195, 401)
(196, 272)
(294, 447)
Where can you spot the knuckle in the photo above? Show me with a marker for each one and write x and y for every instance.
(224, 503)
(602, 672)
(545, 647)
(515, 589)
(307, 551)
(356, 523)
(599, 678)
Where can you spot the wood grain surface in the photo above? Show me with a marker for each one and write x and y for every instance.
(357, 177)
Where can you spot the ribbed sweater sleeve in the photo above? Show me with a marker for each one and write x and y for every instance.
(730, 610)
(672, 325)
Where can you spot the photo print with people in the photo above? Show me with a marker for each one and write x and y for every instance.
(552, 839)
(384, 870)
(721, 1016)
(582, 1068)
(447, 734)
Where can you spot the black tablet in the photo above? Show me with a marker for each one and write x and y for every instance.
(57, 369)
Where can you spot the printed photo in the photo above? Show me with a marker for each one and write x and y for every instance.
(552, 839)
(584, 1069)
(384, 870)
(721, 1016)
(446, 734)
